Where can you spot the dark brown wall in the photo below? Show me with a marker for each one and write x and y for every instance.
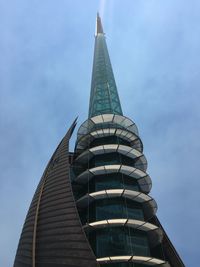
(52, 235)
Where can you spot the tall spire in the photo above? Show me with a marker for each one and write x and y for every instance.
(99, 27)
(104, 97)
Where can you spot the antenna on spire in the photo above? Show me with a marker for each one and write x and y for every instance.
(99, 27)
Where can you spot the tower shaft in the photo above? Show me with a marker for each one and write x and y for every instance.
(111, 184)
(104, 97)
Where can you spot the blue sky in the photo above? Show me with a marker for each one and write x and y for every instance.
(45, 71)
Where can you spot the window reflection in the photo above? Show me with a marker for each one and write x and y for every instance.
(117, 241)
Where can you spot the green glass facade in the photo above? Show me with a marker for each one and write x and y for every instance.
(110, 181)
(104, 97)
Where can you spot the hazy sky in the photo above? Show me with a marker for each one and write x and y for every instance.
(46, 52)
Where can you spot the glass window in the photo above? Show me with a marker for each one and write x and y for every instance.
(116, 208)
(111, 158)
(116, 241)
(108, 140)
(114, 181)
(103, 182)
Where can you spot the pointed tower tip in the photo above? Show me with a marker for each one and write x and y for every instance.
(99, 27)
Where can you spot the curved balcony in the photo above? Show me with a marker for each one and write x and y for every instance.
(124, 134)
(154, 233)
(149, 204)
(135, 259)
(142, 178)
(97, 122)
(113, 148)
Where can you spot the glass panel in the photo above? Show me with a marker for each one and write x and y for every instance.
(115, 181)
(119, 241)
(103, 182)
(109, 140)
(104, 97)
(115, 158)
(116, 208)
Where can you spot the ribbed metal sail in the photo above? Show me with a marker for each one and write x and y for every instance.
(52, 234)
(104, 97)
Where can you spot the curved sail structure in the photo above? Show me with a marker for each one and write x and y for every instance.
(52, 234)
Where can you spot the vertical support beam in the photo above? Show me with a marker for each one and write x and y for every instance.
(35, 222)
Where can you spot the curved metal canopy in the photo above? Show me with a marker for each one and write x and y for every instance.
(102, 121)
(154, 232)
(149, 204)
(126, 135)
(111, 148)
(142, 178)
(136, 259)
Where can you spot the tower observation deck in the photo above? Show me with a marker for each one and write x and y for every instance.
(92, 207)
